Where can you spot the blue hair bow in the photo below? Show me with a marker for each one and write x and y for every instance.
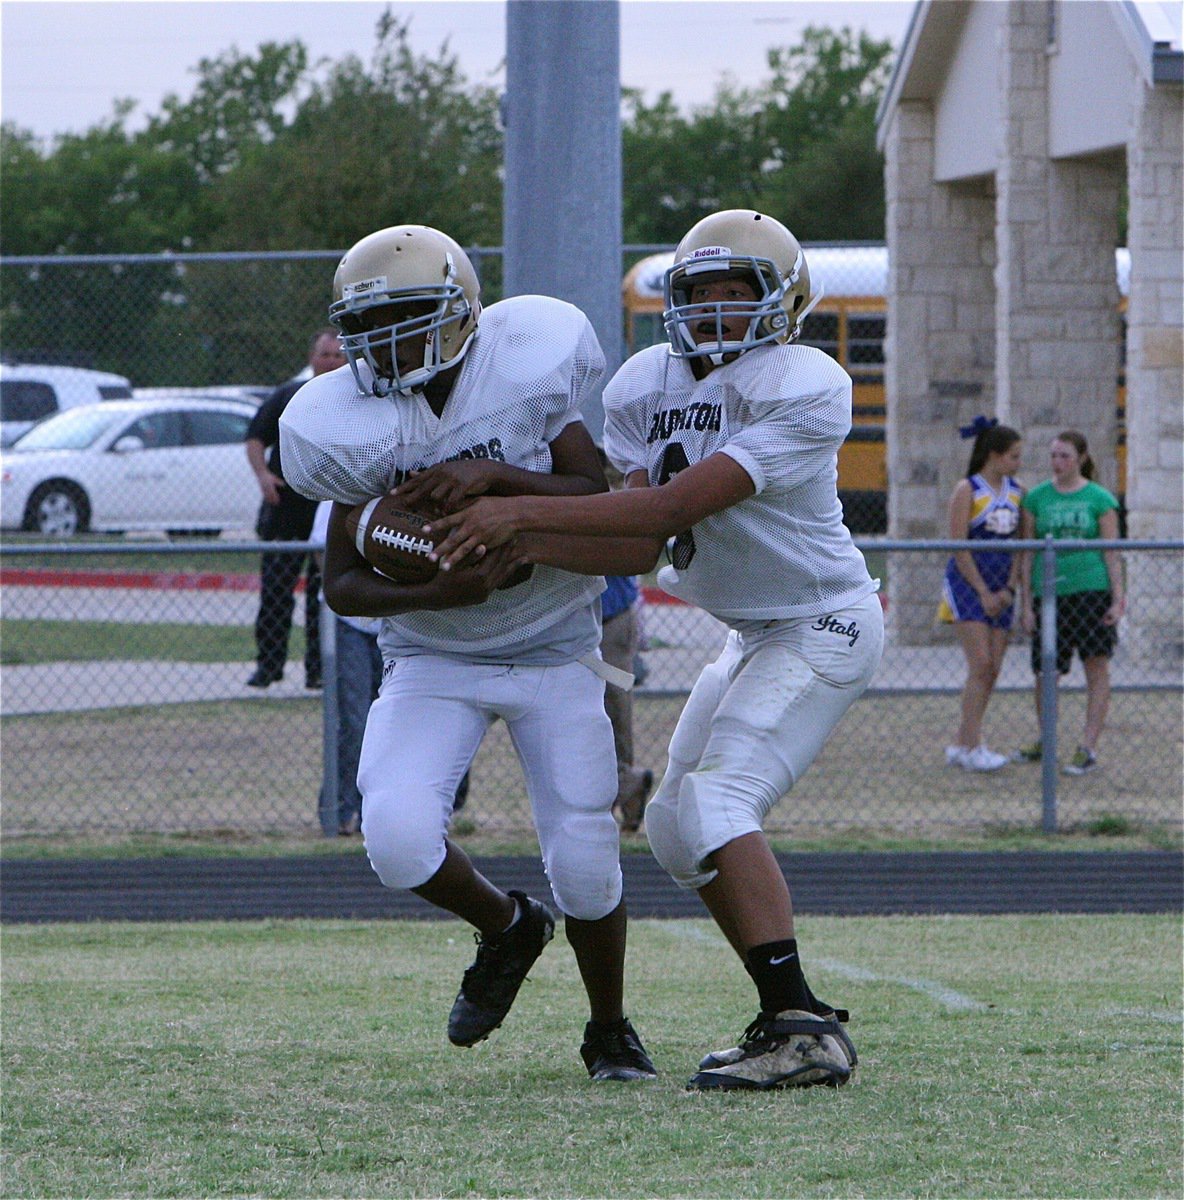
(980, 424)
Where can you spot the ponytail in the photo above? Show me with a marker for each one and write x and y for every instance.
(989, 438)
(1078, 442)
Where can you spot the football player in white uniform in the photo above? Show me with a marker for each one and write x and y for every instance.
(728, 439)
(491, 400)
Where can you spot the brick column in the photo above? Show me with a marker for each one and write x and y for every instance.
(1155, 371)
(939, 352)
(1056, 316)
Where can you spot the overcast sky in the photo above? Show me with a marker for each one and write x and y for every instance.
(62, 65)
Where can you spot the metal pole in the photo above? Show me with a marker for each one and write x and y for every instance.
(562, 222)
(1048, 685)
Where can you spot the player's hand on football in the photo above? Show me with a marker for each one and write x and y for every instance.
(447, 486)
(473, 582)
(486, 523)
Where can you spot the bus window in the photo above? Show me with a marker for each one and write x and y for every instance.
(865, 339)
(821, 329)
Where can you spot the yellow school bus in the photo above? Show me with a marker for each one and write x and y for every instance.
(849, 324)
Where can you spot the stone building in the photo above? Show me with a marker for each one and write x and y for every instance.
(1013, 133)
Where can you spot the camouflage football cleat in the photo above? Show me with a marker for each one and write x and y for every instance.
(840, 1016)
(780, 1050)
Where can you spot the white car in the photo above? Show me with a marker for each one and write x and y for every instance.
(29, 393)
(177, 465)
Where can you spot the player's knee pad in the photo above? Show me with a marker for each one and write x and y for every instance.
(713, 807)
(404, 841)
(672, 853)
(583, 862)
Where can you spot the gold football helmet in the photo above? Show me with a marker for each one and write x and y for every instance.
(755, 247)
(398, 284)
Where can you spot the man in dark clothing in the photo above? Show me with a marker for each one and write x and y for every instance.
(285, 516)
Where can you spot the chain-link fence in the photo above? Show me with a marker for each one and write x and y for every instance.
(192, 331)
(125, 710)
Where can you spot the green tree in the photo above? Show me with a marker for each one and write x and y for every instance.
(404, 139)
(237, 106)
(101, 192)
(800, 145)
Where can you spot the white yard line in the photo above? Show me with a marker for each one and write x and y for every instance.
(1146, 1014)
(947, 997)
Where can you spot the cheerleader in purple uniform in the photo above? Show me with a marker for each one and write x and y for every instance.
(979, 591)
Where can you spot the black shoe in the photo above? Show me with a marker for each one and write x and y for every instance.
(262, 678)
(491, 983)
(312, 680)
(615, 1052)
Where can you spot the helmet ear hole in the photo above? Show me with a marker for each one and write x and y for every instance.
(797, 302)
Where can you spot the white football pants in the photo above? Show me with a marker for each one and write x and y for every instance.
(755, 720)
(422, 733)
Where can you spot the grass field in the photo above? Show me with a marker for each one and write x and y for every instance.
(1033, 1056)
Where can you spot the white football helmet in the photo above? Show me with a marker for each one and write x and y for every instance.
(755, 247)
(397, 284)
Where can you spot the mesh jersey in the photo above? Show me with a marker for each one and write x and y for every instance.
(781, 412)
(531, 365)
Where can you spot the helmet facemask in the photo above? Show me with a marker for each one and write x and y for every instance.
(375, 319)
(737, 243)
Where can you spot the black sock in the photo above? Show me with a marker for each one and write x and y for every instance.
(777, 973)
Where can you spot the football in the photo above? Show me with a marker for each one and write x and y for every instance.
(391, 539)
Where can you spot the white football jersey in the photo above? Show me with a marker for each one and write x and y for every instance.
(781, 412)
(530, 366)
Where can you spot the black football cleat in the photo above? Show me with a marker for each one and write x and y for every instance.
(614, 1052)
(489, 986)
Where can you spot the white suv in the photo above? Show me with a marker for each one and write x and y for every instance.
(30, 393)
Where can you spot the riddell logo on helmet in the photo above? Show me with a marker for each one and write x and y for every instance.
(709, 252)
(364, 287)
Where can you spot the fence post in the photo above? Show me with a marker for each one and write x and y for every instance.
(328, 804)
(1048, 685)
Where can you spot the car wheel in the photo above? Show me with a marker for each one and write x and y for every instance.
(58, 508)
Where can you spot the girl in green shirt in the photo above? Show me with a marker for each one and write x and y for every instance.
(1090, 599)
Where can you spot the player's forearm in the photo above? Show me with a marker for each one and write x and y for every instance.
(635, 513)
(586, 555)
(515, 481)
(363, 592)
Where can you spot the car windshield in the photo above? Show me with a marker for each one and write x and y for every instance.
(75, 429)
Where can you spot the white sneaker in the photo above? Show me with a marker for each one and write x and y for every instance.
(983, 759)
(977, 759)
